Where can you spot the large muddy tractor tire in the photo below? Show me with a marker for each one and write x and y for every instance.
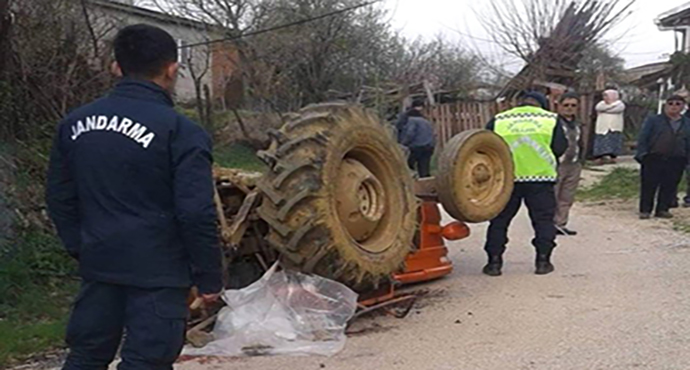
(475, 176)
(338, 197)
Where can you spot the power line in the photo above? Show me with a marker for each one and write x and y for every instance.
(476, 38)
(470, 36)
(282, 26)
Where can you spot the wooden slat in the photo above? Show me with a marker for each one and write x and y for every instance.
(442, 119)
(454, 118)
(449, 117)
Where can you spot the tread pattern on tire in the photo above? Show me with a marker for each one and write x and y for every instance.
(296, 193)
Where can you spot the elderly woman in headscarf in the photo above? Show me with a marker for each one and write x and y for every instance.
(608, 141)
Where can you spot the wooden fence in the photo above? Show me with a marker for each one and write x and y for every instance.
(453, 118)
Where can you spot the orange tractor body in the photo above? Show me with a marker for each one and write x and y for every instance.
(430, 261)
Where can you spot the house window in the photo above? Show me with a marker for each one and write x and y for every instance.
(184, 54)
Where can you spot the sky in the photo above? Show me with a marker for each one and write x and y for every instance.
(637, 39)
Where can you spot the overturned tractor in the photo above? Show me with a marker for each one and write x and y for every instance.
(339, 201)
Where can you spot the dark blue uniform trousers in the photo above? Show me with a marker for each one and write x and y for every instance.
(540, 199)
(152, 322)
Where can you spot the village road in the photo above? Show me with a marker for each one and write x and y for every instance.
(619, 299)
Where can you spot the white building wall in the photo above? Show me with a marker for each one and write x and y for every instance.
(113, 20)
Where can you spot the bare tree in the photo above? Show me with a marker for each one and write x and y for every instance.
(680, 73)
(550, 35)
(49, 64)
(224, 19)
(319, 55)
(197, 62)
(351, 52)
(447, 65)
(599, 60)
(521, 27)
(50, 41)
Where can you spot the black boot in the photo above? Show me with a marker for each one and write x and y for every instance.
(543, 264)
(493, 268)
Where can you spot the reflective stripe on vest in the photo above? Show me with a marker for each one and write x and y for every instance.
(529, 132)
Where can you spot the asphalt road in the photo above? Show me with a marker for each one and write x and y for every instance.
(619, 299)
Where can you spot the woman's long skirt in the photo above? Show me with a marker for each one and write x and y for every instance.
(610, 144)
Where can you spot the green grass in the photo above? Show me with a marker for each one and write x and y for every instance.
(36, 323)
(621, 183)
(624, 184)
(37, 278)
(37, 284)
(681, 225)
(433, 168)
(234, 155)
(238, 156)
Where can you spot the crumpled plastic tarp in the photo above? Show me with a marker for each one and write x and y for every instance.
(283, 313)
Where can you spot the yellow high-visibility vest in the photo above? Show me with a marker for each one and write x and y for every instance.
(529, 131)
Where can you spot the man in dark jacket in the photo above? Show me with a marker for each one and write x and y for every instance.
(663, 149)
(536, 139)
(419, 138)
(686, 199)
(130, 191)
(401, 124)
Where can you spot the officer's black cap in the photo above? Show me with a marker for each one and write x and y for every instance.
(535, 95)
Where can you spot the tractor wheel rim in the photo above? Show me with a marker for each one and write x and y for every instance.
(360, 200)
(484, 172)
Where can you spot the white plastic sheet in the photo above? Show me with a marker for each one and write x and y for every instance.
(283, 313)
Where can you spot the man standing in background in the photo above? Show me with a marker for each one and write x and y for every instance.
(419, 137)
(401, 124)
(570, 167)
(663, 148)
(686, 200)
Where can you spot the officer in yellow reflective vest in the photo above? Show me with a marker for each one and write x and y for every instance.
(536, 139)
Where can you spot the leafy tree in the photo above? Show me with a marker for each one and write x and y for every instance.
(681, 69)
(599, 60)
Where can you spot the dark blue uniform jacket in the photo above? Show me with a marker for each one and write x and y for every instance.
(130, 191)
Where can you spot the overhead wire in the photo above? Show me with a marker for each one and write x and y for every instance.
(282, 26)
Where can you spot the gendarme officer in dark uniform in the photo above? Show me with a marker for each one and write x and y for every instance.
(130, 191)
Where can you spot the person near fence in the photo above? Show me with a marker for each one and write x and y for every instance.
(686, 199)
(570, 166)
(401, 124)
(663, 150)
(130, 191)
(608, 141)
(420, 139)
(537, 139)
